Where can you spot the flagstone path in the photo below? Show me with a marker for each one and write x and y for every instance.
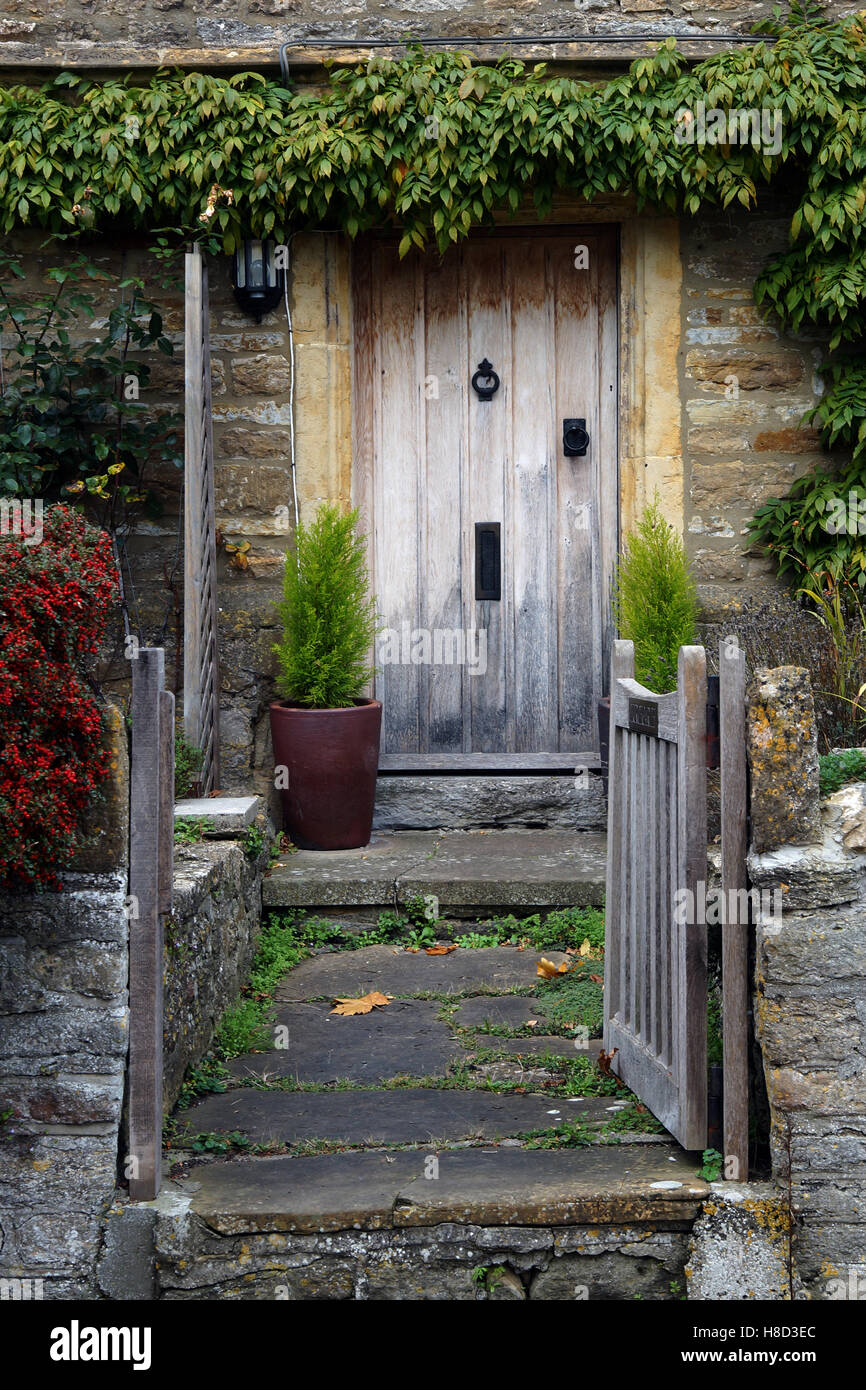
(462, 1126)
(463, 1052)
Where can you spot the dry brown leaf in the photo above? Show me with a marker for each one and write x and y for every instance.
(597, 979)
(364, 1005)
(547, 970)
(604, 1061)
(531, 1022)
(439, 950)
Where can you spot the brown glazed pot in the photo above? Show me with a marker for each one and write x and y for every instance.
(332, 757)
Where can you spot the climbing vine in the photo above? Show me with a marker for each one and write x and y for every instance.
(435, 144)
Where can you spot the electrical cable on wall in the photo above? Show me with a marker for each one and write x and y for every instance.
(291, 382)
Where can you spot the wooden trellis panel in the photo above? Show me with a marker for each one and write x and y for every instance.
(201, 656)
(655, 994)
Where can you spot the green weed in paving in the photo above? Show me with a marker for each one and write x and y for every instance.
(564, 927)
(574, 1001)
(284, 941)
(571, 1135)
(478, 941)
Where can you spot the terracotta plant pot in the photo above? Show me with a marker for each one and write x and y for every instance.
(332, 758)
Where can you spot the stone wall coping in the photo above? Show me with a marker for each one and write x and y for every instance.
(228, 813)
(602, 47)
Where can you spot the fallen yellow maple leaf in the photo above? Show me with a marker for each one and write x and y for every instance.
(364, 1005)
(546, 969)
(585, 947)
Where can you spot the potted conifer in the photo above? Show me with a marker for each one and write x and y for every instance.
(325, 733)
(655, 606)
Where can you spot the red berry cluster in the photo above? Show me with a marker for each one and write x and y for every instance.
(55, 599)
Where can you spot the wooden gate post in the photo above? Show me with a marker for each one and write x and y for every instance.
(735, 924)
(692, 808)
(200, 633)
(150, 879)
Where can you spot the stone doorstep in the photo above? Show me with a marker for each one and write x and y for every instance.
(624, 1185)
(231, 815)
(453, 802)
(468, 870)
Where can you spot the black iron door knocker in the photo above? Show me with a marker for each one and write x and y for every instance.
(485, 382)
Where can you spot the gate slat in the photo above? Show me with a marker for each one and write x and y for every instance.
(622, 664)
(634, 904)
(652, 965)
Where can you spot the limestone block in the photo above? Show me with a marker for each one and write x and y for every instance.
(777, 371)
(789, 441)
(783, 757)
(254, 444)
(846, 809)
(739, 1246)
(264, 374)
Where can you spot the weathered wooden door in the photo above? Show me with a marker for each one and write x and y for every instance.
(655, 976)
(491, 541)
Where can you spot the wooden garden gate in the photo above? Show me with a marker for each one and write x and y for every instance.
(655, 1011)
(200, 653)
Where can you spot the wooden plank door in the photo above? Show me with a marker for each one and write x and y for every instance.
(513, 679)
(655, 978)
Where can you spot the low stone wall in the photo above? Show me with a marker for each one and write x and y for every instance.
(64, 1032)
(209, 942)
(810, 983)
(66, 1230)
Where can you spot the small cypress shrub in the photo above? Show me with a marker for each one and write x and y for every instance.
(329, 619)
(655, 602)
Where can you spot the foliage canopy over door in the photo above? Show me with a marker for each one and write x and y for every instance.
(439, 469)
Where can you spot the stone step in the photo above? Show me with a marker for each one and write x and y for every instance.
(625, 1185)
(393, 970)
(478, 802)
(472, 872)
(427, 1115)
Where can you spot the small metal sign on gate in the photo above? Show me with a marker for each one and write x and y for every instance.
(643, 717)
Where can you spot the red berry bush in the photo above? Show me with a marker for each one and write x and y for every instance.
(55, 599)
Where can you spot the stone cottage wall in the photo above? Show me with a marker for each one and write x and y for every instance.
(810, 983)
(110, 32)
(744, 390)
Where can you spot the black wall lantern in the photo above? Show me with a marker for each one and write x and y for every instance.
(257, 280)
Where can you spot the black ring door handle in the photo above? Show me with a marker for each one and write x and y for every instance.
(575, 438)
